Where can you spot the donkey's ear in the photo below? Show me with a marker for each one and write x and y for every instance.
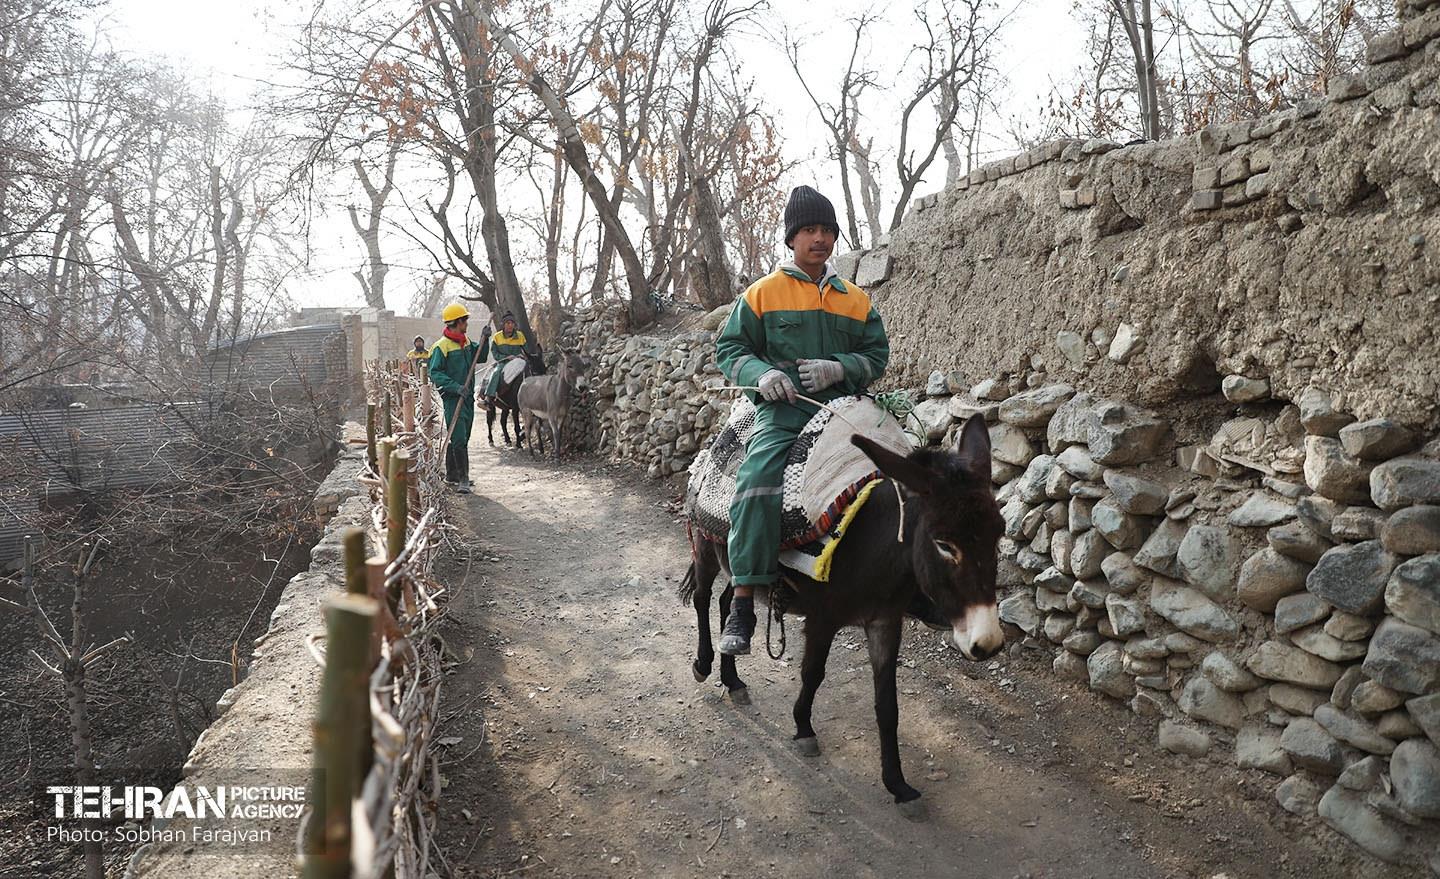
(973, 446)
(899, 468)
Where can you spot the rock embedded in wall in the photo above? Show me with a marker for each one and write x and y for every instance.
(1352, 577)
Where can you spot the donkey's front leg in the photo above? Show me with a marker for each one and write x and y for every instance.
(704, 569)
(883, 638)
(818, 638)
(739, 693)
(558, 433)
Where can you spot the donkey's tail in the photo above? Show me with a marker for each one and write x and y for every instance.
(686, 593)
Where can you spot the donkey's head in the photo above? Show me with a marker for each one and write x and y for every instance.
(957, 527)
(573, 367)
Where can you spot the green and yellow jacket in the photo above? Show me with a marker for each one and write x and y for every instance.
(450, 367)
(786, 316)
(507, 346)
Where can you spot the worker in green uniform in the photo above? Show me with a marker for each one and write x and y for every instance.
(452, 370)
(418, 353)
(799, 327)
(506, 345)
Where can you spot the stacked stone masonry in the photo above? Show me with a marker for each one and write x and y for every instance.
(1209, 368)
(1299, 247)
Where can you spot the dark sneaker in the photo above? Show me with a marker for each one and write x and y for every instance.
(463, 487)
(739, 627)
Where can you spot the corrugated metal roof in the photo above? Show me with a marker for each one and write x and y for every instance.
(61, 450)
(285, 358)
(56, 452)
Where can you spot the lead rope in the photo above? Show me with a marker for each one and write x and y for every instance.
(775, 609)
(900, 499)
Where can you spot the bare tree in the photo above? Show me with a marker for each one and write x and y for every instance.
(1326, 38)
(642, 310)
(841, 116)
(955, 48)
(1227, 48)
(372, 277)
(72, 658)
(1139, 26)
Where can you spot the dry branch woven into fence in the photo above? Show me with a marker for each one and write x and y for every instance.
(374, 796)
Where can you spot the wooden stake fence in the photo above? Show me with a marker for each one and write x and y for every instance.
(342, 735)
(380, 633)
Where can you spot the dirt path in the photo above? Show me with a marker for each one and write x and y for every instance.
(585, 748)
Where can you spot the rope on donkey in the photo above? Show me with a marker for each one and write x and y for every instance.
(855, 431)
(775, 605)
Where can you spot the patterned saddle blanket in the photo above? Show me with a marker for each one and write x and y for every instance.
(514, 368)
(826, 480)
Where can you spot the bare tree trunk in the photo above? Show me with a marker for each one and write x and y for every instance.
(849, 199)
(555, 217)
(373, 285)
(604, 257)
(237, 295)
(1152, 91)
(869, 188)
(1140, 31)
(472, 84)
(717, 287)
(949, 107)
(222, 231)
(80, 740)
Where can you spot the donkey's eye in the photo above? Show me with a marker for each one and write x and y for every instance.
(949, 551)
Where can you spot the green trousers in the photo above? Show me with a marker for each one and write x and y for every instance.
(754, 540)
(492, 385)
(460, 411)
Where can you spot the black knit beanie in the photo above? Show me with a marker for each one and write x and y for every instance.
(808, 208)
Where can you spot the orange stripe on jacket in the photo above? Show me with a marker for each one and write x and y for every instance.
(778, 291)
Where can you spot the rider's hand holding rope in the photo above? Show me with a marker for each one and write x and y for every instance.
(899, 495)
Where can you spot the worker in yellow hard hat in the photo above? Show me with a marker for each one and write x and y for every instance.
(419, 353)
(452, 369)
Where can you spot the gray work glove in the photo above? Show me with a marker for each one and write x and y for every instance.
(817, 375)
(776, 386)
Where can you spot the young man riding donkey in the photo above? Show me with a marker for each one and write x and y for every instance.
(508, 345)
(801, 326)
(921, 541)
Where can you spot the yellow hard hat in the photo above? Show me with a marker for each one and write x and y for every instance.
(454, 311)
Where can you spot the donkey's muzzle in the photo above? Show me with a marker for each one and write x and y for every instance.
(977, 634)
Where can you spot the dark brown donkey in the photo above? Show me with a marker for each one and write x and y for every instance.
(942, 571)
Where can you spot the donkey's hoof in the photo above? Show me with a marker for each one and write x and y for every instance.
(740, 696)
(700, 672)
(808, 746)
(913, 810)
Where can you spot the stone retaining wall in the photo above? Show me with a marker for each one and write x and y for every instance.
(1299, 249)
(1269, 589)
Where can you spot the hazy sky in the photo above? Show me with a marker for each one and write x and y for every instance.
(235, 45)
